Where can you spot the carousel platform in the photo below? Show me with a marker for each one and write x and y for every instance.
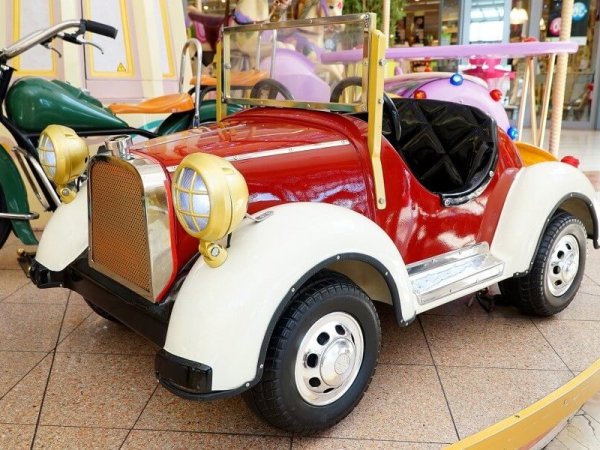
(70, 379)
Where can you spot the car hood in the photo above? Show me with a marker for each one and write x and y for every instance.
(252, 131)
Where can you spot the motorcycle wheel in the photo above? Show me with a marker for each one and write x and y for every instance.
(5, 225)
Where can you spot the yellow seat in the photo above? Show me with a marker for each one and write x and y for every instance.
(165, 104)
(238, 79)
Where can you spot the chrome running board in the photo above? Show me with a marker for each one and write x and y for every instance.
(438, 277)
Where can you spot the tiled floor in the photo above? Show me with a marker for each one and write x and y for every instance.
(70, 379)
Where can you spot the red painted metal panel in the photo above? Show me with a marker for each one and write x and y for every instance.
(415, 218)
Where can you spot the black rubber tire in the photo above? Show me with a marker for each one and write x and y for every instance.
(530, 293)
(272, 87)
(5, 225)
(276, 398)
(101, 312)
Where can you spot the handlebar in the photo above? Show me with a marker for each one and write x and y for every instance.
(46, 35)
(99, 28)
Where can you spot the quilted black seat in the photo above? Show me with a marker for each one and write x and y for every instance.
(450, 148)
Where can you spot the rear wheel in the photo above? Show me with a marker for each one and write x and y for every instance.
(557, 270)
(320, 359)
(5, 225)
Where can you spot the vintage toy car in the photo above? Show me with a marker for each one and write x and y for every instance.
(306, 213)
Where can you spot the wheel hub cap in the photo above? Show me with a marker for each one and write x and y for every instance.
(329, 358)
(563, 265)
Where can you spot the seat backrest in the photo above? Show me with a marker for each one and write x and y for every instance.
(449, 147)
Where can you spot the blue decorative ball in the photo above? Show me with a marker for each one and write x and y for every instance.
(513, 133)
(456, 79)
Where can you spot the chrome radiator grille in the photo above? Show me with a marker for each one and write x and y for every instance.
(122, 221)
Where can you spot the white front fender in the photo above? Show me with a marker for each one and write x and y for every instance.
(222, 317)
(65, 236)
(536, 193)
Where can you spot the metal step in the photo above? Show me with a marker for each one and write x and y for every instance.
(438, 277)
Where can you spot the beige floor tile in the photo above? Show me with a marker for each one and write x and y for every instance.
(170, 440)
(8, 256)
(32, 294)
(29, 327)
(576, 341)
(401, 345)
(404, 403)
(488, 342)
(10, 282)
(170, 412)
(583, 307)
(469, 306)
(358, 444)
(74, 438)
(481, 397)
(581, 433)
(16, 437)
(14, 366)
(592, 264)
(22, 403)
(98, 335)
(98, 390)
(77, 311)
(589, 286)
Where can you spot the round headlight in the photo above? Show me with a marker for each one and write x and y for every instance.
(210, 196)
(63, 155)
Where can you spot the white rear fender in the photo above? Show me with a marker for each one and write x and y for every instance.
(223, 317)
(537, 192)
(65, 236)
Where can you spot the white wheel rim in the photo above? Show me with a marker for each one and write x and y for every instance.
(329, 358)
(563, 265)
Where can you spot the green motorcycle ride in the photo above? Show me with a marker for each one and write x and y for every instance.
(32, 104)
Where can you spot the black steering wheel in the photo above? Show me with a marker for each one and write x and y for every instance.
(271, 88)
(390, 112)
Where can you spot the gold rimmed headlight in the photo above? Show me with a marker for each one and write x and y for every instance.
(211, 199)
(63, 156)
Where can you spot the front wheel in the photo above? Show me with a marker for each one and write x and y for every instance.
(557, 269)
(320, 359)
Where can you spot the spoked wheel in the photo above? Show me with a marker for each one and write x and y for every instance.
(101, 312)
(320, 359)
(5, 225)
(557, 269)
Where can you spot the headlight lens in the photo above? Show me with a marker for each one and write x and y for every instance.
(63, 155)
(210, 196)
(47, 156)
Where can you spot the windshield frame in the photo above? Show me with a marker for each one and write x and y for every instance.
(367, 21)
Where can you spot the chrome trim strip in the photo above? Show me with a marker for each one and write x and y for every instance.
(157, 218)
(287, 150)
(280, 151)
(340, 107)
(20, 216)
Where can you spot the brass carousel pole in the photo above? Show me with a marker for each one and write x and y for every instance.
(560, 79)
(385, 21)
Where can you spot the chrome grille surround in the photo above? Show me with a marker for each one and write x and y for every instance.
(129, 212)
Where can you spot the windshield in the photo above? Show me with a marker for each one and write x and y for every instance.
(282, 64)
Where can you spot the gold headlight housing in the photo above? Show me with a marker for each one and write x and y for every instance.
(63, 156)
(210, 198)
